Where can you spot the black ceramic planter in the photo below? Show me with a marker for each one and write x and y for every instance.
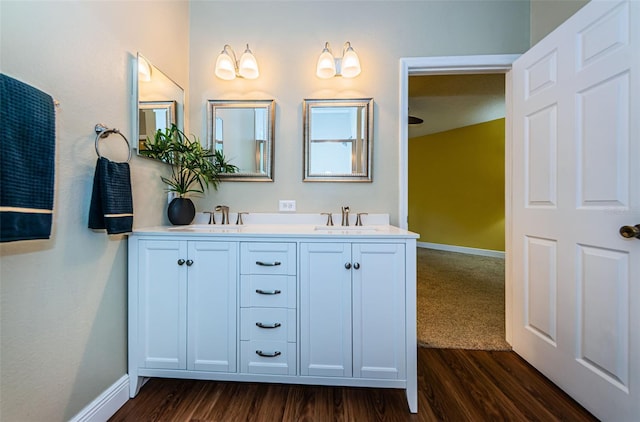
(181, 211)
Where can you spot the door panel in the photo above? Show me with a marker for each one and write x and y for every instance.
(325, 310)
(212, 306)
(576, 152)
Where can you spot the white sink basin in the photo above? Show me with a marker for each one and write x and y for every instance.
(341, 229)
(207, 228)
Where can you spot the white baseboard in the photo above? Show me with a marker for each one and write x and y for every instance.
(461, 249)
(106, 404)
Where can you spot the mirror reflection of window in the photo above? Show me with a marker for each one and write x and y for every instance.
(154, 116)
(338, 140)
(243, 131)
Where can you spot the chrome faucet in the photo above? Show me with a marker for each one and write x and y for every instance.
(345, 216)
(359, 218)
(225, 213)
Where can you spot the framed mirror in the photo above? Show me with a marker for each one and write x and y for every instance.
(338, 139)
(244, 131)
(159, 102)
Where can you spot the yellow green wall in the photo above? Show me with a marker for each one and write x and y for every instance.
(456, 186)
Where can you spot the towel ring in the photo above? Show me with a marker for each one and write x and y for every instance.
(102, 132)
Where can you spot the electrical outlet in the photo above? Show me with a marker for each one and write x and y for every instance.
(287, 205)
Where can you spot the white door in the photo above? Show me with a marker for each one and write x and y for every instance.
(162, 305)
(378, 272)
(325, 309)
(211, 315)
(576, 155)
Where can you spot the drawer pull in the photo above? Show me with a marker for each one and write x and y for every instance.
(268, 264)
(263, 325)
(268, 355)
(268, 292)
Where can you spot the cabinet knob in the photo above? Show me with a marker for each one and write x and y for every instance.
(189, 262)
(181, 261)
(356, 265)
(347, 265)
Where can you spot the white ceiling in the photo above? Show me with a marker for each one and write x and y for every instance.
(447, 102)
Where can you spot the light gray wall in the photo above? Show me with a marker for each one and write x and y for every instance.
(546, 15)
(287, 38)
(63, 300)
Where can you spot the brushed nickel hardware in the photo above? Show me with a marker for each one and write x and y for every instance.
(263, 325)
(268, 355)
(359, 218)
(345, 216)
(356, 266)
(189, 262)
(181, 261)
(268, 292)
(347, 265)
(629, 232)
(212, 218)
(329, 218)
(268, 264)
(225, 213)
(239, 219)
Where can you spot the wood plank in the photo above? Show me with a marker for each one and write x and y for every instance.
(453, 385)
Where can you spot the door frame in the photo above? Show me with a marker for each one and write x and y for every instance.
(458, 65)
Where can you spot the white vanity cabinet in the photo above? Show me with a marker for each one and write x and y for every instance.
(281, 303)
(182, 306)
(352, 310)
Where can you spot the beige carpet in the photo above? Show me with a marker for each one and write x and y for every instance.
(460, 301)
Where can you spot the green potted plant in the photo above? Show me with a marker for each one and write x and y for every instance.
(193, 168)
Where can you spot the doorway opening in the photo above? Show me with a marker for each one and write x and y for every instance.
(461, 65)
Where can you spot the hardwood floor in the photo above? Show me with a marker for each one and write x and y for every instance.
(453, 385)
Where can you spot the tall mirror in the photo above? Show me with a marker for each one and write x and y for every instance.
(160, 102)
(338, 138)
(243, 130)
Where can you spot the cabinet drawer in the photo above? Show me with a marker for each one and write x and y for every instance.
(268, 258)
(268, 357)
(271, 291)
(269, 324)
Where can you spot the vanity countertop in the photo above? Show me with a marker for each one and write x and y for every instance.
(279, 225)
(278, 230)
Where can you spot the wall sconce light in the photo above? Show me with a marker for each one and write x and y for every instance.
(348, 66)
(228, 67)
(144, 69)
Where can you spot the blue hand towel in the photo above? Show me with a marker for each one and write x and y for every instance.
(111, 201)
(27, 161)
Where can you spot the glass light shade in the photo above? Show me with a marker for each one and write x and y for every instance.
(225, 67)
(350, 64)
(326, 67)
(144, 70)
(248, 67)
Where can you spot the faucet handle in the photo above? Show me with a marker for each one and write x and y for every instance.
(359, 218)
(329, 218)
(212, 218)
(239, 219)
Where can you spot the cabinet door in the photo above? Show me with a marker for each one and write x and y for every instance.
(162, 293)
(212, 306)
(378, 311)
(325, 310)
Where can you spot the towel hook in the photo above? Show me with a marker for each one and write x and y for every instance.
(103, 131)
